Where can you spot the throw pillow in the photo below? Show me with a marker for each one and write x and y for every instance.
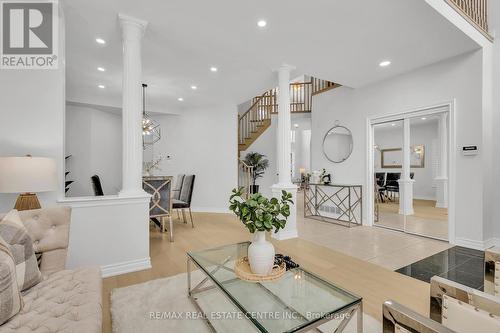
(10, 297)
(20, 244)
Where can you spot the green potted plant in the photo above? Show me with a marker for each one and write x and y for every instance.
(259, 164)
(260, 215)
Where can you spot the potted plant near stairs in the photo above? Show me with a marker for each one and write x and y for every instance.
(260, 215)
(259, 164)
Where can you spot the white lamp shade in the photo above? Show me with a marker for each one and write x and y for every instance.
(27, 174)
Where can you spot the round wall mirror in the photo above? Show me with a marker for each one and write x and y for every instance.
(338, 144)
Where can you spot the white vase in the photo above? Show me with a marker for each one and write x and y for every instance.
(261, 254)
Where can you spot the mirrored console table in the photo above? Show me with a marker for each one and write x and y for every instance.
(335, 203)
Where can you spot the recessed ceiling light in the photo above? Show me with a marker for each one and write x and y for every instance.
(213, 69)
(423, 118)
(384, 63)
(102, 86)
(262, 23)
(100, 41)
(295, 125)
(101, 69)
(180, 99)
(194, 87)
(393, 124)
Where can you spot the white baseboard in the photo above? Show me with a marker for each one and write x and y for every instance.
(477, 245)
(492, 242)
(423, 197)
(126, 267)
(223, 210)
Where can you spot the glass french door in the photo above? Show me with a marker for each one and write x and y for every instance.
(387, 162)
(410, 174)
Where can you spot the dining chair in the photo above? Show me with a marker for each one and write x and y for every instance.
(184, 201)
(96, 185)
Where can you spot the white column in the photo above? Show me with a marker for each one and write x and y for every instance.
(406, 183)
(132, 32)
(442, 178)
(284, 149)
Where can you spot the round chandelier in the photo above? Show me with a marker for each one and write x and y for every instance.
(151, 131)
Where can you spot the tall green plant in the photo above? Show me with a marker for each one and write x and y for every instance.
(259, 164)
(259, 213)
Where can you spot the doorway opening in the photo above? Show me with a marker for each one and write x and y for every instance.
(410, 172)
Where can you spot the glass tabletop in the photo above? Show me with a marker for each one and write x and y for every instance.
(296, 300)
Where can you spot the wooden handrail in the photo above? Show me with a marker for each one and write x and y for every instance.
(258, 116)
(257, 100)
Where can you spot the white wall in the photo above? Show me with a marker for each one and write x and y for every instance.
(426, 134)
(94, 141)
(32, 117)
(459, 78)
(202, 142)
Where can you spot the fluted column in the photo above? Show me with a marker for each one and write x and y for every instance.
(284, 149)
(442, 178)
(132, 32)
(406, 183)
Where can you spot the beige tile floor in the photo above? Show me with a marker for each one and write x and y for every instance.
(384, 247)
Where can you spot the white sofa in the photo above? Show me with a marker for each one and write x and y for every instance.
(65, 300)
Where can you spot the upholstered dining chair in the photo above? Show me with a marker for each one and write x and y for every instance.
(184, 201)
(454, 308)
(176, 189)
(96, 185)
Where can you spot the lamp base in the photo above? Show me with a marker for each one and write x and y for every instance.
(27, 201)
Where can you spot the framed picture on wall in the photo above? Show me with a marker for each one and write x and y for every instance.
(393, 158)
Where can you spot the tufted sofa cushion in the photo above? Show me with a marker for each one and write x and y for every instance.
(66, 302)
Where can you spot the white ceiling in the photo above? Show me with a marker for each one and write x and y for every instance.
(338, 40)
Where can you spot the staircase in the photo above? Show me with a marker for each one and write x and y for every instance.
(257, 118)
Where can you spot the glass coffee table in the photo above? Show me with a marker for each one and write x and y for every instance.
(297, 302)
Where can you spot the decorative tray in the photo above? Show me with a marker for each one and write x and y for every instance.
(243, 271)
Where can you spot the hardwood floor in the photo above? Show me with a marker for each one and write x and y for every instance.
(373, 282)
(428, 220)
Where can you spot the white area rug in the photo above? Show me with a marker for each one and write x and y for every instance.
(163, 306)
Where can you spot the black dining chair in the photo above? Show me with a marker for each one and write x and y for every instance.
(391, 182)
(184, 201)
(96, 185)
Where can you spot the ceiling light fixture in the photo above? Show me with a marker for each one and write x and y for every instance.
(296, 125)
(180, 99)
(194, 87)
(384, 63)
(151, 131)
(102, 86)
(262, 23)
(393, 124)
(101, 69)
(213, 69)
(423, 118)
(100, 41)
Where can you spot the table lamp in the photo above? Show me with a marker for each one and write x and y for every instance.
(27, 175)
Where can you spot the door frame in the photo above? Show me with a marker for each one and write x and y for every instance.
(452, 152)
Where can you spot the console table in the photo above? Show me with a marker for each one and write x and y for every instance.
(335, 203)
(160, 207)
